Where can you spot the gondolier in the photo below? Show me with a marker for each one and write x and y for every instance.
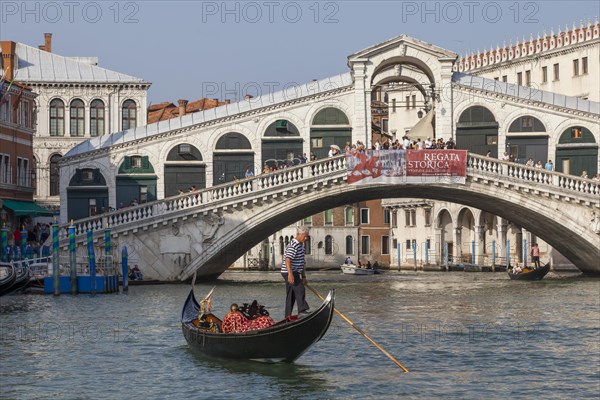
(292, 270)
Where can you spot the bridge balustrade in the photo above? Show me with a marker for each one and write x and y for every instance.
(213, 197)
(263, 183)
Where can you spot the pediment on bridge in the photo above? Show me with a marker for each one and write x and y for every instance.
(397, 47)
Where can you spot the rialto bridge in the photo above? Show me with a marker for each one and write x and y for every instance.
(207, 230)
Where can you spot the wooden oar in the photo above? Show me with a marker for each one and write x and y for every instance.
(352, 324)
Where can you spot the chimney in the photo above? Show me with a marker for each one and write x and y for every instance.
(182, 106)
(48, 42)
(8, 59)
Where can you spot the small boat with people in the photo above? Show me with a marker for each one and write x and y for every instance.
(351, 269)
(248, 332)
(528, 274)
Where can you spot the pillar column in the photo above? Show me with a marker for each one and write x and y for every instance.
(438, 245)
(479, 243)
(360, 131)
(457, 242)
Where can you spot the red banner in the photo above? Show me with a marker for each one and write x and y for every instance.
(436, 163)
(407, 166)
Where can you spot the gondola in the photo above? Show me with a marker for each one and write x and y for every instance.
(530, 274)
(283, 342)
(8, 275)
(22, 279)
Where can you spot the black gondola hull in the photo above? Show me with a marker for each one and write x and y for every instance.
(282, 342)
(533, 275)
(9, 278)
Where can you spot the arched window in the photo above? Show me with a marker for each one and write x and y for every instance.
(129, 115)
(527, 123)
(77, 110)
(54, 175)
(308, 245)
(97, 118)
(328, 245)
(57, 118)
(281, 246)
(349, 245)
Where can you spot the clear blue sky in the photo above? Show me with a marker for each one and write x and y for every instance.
(192, 49)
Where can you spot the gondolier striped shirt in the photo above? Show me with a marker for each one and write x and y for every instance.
(295, 252)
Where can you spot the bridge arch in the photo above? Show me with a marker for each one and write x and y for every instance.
(329, 125)
(281, 142)
(408, 60)
(233, 154)
(577, 151)
(183, 167)
(88, 192)
(477, 130)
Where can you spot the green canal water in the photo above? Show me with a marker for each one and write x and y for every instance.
(462, 335)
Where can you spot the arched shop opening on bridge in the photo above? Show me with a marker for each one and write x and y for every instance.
(577, 151)
(87, 194)
(233, 155)
(281, 144)
(527, 138)
(477, 131)
(184, 168)
(136, 181)
(329, 126)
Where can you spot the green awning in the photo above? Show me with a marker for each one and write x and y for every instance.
(21, 208)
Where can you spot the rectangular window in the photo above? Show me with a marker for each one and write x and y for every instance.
(395, 243)
(386, 216)
(384, 124)
(427, 214)
(584, 65)
(136, 162)
(365, 245)
(576, 133)
(413, 217)
(185, 149)
(143, 194)
(87, 175)
(408, 245)
(316, 142)
(526, 122)
(544, 74)
(407, 102)
(556, 72)
(519, 78)
(349, 216)
(491, 140)
(576, 67)
(528, 78)
(92, 206)
(406, 217)
(385, 245)
(307, 221)
(364, 215)
(414, 101)
(328, 217)
(504, 78)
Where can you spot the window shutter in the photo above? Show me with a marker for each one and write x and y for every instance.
(127, 163)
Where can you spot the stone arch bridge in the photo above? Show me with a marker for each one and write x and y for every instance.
(207, 230)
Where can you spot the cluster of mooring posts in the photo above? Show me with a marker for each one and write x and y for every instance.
(497, 263)
(83, 274)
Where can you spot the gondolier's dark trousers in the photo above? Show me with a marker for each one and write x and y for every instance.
(295, 293)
